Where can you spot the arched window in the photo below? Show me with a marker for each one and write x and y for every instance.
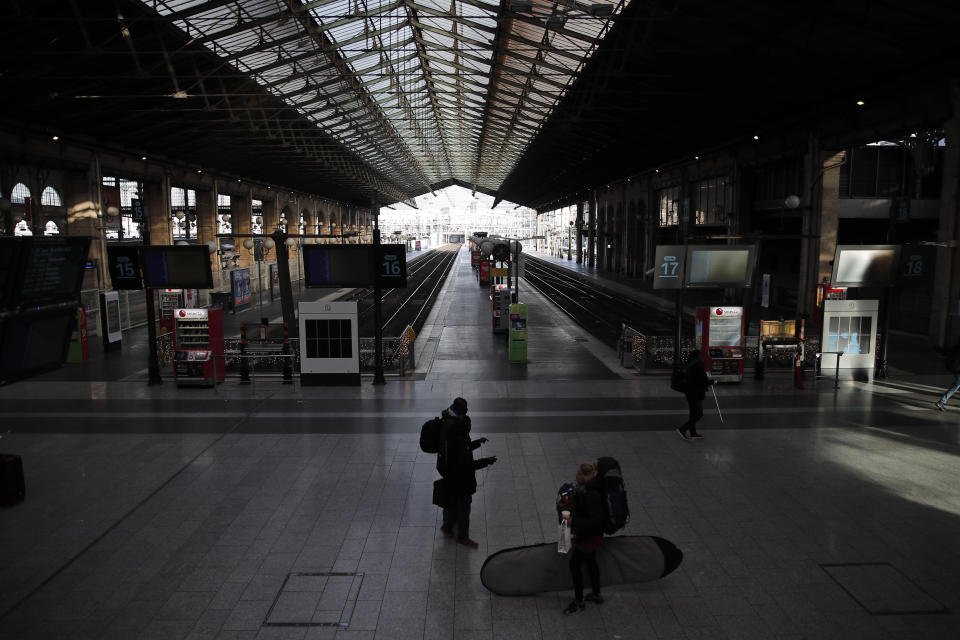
(20, 191)
(50, 198)
(51, 229)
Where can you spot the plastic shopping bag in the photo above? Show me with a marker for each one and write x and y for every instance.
(564, 539)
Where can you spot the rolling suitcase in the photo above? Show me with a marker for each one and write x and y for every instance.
(12, 487)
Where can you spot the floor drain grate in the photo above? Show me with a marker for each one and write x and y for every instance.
(315, 600)
(882, 589)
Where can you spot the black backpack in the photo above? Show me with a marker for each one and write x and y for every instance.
(678, 380)
(431, 435)
(616, 512)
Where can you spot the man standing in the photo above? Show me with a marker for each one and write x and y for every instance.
(695, 390)
(458, 468)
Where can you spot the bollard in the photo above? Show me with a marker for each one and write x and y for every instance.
(244, 364)
(287, 366)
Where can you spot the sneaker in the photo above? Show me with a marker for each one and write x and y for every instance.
(447, 530)
(574, 607)
(696, 436)
(467, 542)
(682, 434)
(595, 598)
(940, 406)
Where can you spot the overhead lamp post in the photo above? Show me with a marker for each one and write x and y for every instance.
(569, 239)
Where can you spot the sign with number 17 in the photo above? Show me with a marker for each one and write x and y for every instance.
(668, 266)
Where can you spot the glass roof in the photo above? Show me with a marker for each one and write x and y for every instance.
(423, 91)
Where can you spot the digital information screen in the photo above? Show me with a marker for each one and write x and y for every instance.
(50, 270)
(124, 265)
(864, 265)
(719, 266)
(391, 267)
(32, 343)
(668, 267)
(337, 265)
(177, 267)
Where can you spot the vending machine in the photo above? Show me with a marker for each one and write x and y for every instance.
(170, 301)
(719, 337)
(198, 341)
(518, 332)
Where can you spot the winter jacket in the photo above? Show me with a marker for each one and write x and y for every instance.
(455, 461)
(697, 380)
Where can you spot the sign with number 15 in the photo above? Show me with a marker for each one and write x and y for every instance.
(124, 263)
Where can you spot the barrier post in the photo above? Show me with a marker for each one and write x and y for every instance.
(244, 365)
(287, 365)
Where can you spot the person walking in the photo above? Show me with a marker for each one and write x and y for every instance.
(695, 390)
(458, 469)
(951, 359)
(586, 524)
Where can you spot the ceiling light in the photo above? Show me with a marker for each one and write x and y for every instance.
(143, 157)
(199, 170)
(756, 137)
(179, 95)
(696, 157)
(55, 138)
(860, 103)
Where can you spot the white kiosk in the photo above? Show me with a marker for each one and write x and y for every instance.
(850, 328)
(329, 344)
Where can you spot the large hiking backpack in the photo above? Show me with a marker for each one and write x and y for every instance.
(431, 435)
(616, 512)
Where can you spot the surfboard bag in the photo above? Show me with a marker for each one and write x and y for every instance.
(533, 569)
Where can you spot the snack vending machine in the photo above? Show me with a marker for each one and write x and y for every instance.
(198, 341)
(719, 337)
(500, 297)
(170, 301)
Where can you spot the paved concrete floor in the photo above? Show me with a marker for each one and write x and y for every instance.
(279, 511)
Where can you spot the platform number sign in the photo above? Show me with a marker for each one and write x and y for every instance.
(391, 267)
(669, 266)
(137, 205)
(124, 262)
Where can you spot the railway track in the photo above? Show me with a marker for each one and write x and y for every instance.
(409, 306)
(599, 311)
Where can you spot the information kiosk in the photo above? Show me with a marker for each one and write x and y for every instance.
(198, 339)
(719, 337)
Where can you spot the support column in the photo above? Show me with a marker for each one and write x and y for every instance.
(945, 306)
(579, 230)
(81, 214)
(828, 199)
(241, 211)
(157, 210)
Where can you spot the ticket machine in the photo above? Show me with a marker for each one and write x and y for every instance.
(719, 337)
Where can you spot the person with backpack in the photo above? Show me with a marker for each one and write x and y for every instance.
(585, 520)
(458, 469)
(951, 359)
(695, 383)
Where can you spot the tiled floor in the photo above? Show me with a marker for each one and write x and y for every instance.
(156, 512)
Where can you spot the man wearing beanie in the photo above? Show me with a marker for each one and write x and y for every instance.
(458, 468)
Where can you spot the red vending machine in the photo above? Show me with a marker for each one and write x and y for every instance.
(198, 339)
(719, 337)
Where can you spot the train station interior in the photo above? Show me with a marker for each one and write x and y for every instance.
(237, 277)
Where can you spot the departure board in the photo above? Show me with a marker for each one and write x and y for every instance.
(50, 270)
(337, 265)
(177, 267)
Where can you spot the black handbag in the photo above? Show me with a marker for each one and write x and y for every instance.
(441, 494)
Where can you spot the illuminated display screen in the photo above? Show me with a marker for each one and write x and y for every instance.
(864, 266)
(337, 265)
(50, 270)
(719, 267)
(177, 267)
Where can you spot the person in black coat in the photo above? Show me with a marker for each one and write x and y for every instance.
(697, 382)
(951, 359)
(458, 468)
(586, 525)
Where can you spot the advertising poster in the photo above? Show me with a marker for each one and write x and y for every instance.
(110, 206)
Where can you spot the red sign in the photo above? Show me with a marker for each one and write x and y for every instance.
(484, 271)
(474, 259)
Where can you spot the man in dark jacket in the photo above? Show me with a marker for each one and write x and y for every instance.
(458, 468)
(696, 390)
(586, 524)
(951, 359)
